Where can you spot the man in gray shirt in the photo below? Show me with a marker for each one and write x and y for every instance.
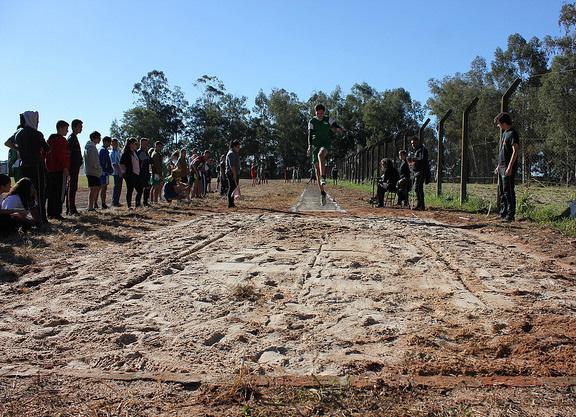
(233, 170)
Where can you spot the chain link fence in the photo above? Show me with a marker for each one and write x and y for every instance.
(546, 162)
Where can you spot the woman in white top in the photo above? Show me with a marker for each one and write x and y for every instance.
(19, 207)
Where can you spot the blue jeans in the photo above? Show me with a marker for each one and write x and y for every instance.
(117, 190)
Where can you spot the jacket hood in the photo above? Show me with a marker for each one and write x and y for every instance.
(89, 145)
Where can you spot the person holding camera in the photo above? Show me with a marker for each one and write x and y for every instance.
(420, 167)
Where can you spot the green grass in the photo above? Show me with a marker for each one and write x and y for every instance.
(546, 205)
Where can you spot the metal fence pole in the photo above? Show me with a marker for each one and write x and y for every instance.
(440, 156)
(421, 131)
(464, 150)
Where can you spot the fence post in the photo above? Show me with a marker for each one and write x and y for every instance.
(464, 150)
(421, 131)
(504, 108)
(440, 156)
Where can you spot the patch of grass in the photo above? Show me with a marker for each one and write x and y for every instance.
(245, 292)
(545, 205)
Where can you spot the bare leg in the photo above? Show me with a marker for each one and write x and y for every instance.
(103, 190)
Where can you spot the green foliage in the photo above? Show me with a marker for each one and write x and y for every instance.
(525, 205)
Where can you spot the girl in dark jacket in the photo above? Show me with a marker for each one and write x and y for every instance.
(130, 165)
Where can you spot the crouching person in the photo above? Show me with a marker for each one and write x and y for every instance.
(174, 189)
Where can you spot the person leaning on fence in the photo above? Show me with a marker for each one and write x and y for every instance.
(507, 166)
(421, 170)
(404, 183)
(387, 181)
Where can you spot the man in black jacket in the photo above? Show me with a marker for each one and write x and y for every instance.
(31, 144)
(75, 164)
(421, 170)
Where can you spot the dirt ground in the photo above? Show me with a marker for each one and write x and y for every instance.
(192, 309)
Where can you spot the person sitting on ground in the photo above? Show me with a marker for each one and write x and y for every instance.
(387, 181)
(404, 184)
(19, 207)
(5, 185)
(174, 189)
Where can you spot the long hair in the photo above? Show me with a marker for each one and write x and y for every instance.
(26, 191)
(127, 145)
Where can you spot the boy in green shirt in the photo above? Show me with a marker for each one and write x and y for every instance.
(320, 136)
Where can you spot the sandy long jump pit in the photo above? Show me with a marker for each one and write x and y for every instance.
(299, 300)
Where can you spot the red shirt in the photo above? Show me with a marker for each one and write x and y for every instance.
(58, 157)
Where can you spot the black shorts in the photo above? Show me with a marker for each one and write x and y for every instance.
(93, 181)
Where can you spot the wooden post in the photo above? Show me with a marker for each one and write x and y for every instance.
(440, 156)
(464, 150)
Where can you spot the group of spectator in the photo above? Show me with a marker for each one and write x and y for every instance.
(414, 164)
(46, 173)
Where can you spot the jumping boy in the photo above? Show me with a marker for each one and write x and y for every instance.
(320, 135)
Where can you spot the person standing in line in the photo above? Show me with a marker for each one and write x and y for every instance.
(222, 175)
(131, 168)
(320, 136)
(253, 175)
(183, 167)
(57, 164)
(173, 161)
(92, 169)
(14, 160)
(421, 170)
(145, 161)
(75, 164)
(107, 170)
(116, 173)
(31, 145)
(404, 183)
(157, 172)
(233, 170)
(507, 166)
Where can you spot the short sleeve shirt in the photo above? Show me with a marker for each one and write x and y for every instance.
(508, 139)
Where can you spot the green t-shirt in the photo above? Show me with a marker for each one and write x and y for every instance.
(320, 132)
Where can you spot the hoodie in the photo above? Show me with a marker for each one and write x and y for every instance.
(91, 161)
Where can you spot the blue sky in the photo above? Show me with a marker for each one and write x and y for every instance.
(80, 59)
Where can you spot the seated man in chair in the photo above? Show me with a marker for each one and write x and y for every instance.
(387, 182)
